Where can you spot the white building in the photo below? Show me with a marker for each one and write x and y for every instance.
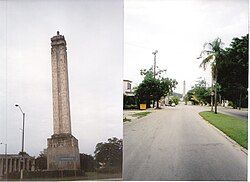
(127, 88)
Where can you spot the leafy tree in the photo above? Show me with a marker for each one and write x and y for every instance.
(129, 102)
(108, 155)
(233, 72)
(154, 88)
(199, 94)
(41, 162)
(212, 53)
(87, 163)
(146, 90)
(175, 99)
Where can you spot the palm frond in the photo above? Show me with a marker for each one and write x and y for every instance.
(204, 62)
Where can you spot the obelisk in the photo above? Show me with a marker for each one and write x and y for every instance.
(62, 151)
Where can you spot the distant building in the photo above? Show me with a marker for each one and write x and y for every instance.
(15, 162)
(127, 88)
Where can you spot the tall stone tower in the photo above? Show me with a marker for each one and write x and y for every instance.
(184, 90)
(62, 151)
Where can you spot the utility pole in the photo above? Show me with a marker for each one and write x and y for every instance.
(154, 53)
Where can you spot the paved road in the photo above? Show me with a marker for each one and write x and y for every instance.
(176, 144)
(234, 112)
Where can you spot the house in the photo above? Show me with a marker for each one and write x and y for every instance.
(127, 88)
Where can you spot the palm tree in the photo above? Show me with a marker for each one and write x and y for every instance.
(212, 53)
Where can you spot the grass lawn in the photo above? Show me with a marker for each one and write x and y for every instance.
(233, 127)
(141, 114)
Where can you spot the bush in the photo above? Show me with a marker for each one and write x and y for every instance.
(109, 169)
(132, 106)
(175, 100)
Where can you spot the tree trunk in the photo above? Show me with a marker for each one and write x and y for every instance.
(240, 102)
(157, 104)
(212, 103)
(215, 92)
(148, 103)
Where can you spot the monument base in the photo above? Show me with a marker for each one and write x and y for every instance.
(63, 153)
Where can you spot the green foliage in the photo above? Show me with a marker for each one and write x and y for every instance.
(87, 163)
(108, 155)
(199, 94)
(129, 102)
(131, 106)
(233, 72)
(175, 100)
(233, 127)
(213, 54)
(41, 162)
(153, 88)
(141, 114)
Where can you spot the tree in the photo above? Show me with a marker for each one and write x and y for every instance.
(108, 155)
(87, 163)
(146, 90)
(212, 53)
(154, 88)
(199, 94)
(175, 99)
(41, 162)
(233, 72)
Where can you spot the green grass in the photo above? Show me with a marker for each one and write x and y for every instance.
(141, 114)
(233, 127)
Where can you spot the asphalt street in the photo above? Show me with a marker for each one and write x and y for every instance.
(234, 112)
(177, 144)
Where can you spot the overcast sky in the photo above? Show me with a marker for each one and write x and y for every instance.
(178, 29)
(94, 34)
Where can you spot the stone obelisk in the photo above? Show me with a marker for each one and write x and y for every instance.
(62, 151)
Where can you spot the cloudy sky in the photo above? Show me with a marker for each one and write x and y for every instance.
(94, 34)
(178, 29)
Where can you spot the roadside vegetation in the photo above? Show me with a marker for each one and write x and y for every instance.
(141, 114)
(105, 163)
(233, 127)
(229, 70)
(154, 87)
(126, 119)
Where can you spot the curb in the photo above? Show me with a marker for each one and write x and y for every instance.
(235, 144)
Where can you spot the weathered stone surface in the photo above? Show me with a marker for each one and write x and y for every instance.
(60, 88)
(62, 151)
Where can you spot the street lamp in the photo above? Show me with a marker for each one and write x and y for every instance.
(22, 151)
(5, 151)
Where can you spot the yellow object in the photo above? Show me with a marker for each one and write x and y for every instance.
(143, 106)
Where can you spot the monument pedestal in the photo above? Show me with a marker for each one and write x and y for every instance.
(63, 152)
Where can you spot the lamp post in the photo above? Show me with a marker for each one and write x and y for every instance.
(22, 151)
(5, 151)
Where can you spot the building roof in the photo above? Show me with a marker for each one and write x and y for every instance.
(15, 156)
(127, 81)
